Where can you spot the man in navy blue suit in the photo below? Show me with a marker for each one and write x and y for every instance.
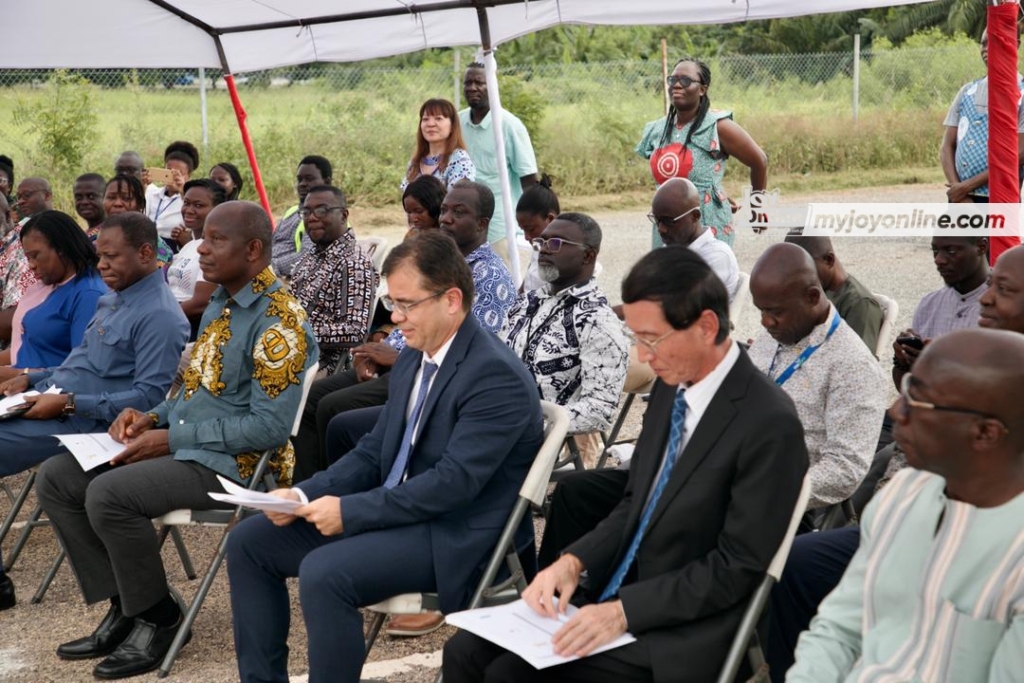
(417, 505)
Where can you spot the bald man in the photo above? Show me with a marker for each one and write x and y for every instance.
(935, 589)
(837, 385)
(817, 561)
(854, 302)
(241, 391)
(675, 214)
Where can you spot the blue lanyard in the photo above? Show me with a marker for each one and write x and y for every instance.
(808, 352)
(160, 205)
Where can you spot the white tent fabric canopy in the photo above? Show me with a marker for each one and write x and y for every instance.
(250, 35)
(261, 34)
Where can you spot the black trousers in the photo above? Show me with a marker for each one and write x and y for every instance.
(471, 659)
(814, 567)
(328, 397)
(580, 501)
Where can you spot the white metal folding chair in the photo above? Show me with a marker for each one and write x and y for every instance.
(890, 311)
(374, 248)
(222, 518)
(746, 635)
(488, 591)
(639, 381)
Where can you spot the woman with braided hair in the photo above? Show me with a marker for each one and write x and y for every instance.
(693, 141)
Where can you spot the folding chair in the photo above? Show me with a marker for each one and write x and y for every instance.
(224, 518)
(639, 381)
(746, 636)
(890, 311)
(488, 591)
(739, 301)
(374, 248)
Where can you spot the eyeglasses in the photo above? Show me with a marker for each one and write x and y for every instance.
(404, 309)
(669, 222)
(682, 81)
(319, 211)
(553, 244)
(911, 402)
(651, 344)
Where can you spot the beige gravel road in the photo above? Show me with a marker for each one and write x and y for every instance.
(900, 268)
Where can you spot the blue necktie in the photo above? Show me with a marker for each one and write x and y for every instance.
(675, 439)
(398, 469)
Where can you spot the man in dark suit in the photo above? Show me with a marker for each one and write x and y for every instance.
(417, 505)
(716, 473)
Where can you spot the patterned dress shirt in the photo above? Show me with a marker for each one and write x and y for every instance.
(129, 354)
(840, 394)
(336, 285)
(494, 293)
(15, 275)
(243, 383)
(575, 347)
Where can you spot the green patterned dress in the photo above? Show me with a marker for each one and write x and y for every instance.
(703, 162)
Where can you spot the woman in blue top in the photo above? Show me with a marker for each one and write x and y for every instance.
(440, 148)
(52, 320)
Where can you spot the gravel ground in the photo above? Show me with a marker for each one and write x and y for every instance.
(899, 268)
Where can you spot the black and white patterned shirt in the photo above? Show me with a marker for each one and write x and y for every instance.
(336, 286)
(576, 349)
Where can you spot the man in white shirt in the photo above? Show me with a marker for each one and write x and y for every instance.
(675, 212)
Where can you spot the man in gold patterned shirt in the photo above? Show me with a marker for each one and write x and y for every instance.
(241, 390)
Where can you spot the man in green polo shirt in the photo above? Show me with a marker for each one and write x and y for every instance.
(479, 137)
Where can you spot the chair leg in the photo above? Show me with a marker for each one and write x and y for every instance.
(616, 428)
(51, 573)
(32, 523)
(17, 502)
(374, 630)
(186, 559)
(185, 630)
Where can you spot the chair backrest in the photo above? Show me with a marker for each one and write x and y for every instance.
(739, 301)
(556, 426)
(307, 384)
(374, 248)
(779, 561)
(890, 311)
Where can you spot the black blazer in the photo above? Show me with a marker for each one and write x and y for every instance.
(715, 528)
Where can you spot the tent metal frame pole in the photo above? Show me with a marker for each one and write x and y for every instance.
(494, 98)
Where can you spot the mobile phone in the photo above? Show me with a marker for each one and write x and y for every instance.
(160, 175)
(912, 342)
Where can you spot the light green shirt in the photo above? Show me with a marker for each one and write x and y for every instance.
(519, 158)
(934, 593)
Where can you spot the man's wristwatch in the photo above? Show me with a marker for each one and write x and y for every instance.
(69, 407)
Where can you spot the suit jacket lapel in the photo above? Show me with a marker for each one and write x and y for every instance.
(719, 413)
(456, 354)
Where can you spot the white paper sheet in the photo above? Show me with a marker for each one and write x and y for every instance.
(91, 450)
(258, 500)
(520, 630)
(8, 402)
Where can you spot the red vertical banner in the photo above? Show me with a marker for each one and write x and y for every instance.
(1003, 103)
(243, 127)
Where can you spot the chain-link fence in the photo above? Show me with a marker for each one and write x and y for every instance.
(584, 117)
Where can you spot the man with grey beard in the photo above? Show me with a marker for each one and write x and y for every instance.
(565, 332)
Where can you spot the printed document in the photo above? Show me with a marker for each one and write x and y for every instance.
(239, 495)
(91, 450)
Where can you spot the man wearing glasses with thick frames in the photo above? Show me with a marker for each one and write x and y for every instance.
(935, 589)
(334, 281)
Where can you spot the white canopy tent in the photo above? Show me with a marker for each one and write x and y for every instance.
(249, 35)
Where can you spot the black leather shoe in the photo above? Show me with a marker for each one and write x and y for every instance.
(142, 651)
(7, 600)
(111, 632)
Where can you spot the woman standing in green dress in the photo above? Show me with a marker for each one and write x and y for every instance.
(693, 141)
